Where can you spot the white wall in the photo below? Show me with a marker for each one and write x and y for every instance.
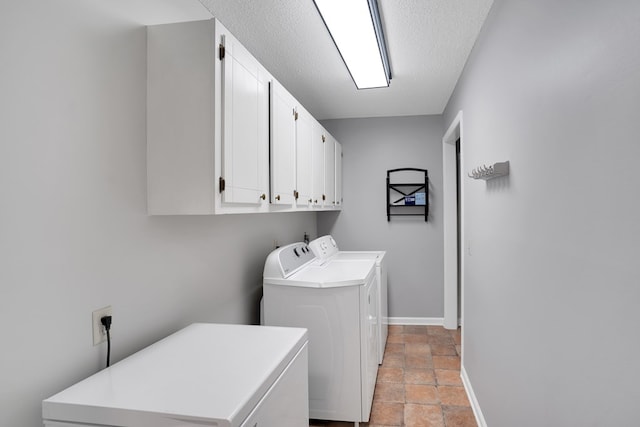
(74, 234)
(414, 248)
(551, 292)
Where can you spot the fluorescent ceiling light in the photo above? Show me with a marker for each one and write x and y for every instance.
(356, 30)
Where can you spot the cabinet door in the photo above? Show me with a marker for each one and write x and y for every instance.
(245, 134)
(338, 174)
(329, 171)
(304, 168)
(317, 159)
(283, 137)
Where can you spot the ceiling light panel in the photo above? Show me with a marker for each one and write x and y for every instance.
(351, 26)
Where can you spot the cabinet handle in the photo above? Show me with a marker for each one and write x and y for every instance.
(315, 201)
(278, 197)
(295, 194)
(263, 197)
(310, 200)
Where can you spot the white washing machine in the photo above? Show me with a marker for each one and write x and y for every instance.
(203, 375)
(326, 248)
(337, 302)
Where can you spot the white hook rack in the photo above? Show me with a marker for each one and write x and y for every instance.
(489, 172)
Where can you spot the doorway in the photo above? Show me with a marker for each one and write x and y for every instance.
(453, 186)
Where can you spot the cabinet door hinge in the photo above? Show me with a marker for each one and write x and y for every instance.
(221, 184)
(221, 52)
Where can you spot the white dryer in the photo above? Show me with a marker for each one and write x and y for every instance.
(337, 302)
(326, 248)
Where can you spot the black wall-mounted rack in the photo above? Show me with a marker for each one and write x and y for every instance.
(396, 192)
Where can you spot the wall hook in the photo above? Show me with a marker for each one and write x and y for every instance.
(489, 172)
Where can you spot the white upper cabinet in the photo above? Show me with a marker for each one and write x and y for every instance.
(283, 145)
(223, 136)
(338, 194)
(304, 165)
(207, 122)
(245, 125)
(329, 196)
(317, 159)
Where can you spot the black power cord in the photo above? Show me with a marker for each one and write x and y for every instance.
(106, 322)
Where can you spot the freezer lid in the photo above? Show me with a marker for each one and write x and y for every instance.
(204, 375)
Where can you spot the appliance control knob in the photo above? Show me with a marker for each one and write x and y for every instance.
(295, 251)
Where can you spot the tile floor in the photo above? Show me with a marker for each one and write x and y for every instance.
(419, 382)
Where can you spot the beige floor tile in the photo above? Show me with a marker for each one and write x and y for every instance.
(448, 377)
(437, 330)
(396, 338)
(390, 375)
(419, 376)
(389, 392)
(416, 329)
(415, 338)
(446, 362)
(393, 361)
(443, 350)
(418, 361)
(457, 335)
(440, 339)
(387, 414)
(321, 423)
(396, 329)
(394, 348)
(421, 393)
(453, 396)
(423, 415)
(417, 349)
(456, 416)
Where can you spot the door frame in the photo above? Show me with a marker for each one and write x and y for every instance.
(451, 316)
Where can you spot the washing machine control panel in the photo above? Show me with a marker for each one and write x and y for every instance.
(294, 256)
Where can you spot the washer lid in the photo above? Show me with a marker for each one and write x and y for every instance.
(331, 274)
(203, 375)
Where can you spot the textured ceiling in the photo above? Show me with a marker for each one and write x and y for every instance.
(428, 43)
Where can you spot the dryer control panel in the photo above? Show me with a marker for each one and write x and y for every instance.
(324, 247)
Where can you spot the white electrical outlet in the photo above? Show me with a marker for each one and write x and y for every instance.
(99, 332)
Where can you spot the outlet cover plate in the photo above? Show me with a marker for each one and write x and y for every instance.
(99, 333)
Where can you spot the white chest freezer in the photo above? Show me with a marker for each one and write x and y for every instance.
(203, 375)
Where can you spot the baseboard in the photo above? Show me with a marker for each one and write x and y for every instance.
(477, 412)
(430, 321)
